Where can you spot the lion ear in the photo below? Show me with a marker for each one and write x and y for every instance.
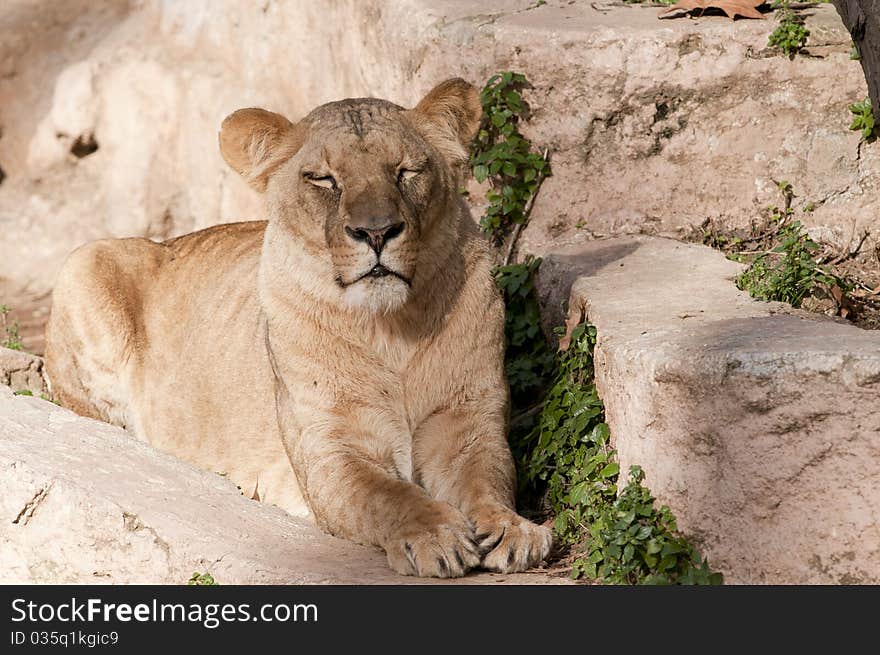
(449, 117)
(255, 142)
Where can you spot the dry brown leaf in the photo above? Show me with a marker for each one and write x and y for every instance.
(844, 302)
(733, 8)
(574, 319)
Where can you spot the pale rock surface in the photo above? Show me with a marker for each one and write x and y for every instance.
(654, 125)
(21, 371)
(84, 502)
(757, 424)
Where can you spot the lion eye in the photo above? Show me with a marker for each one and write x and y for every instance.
(325, 181)
(405, 174)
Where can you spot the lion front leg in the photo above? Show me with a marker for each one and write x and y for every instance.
(356, 495)
(462, 457)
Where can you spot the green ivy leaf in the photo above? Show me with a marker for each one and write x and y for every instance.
(610, 471)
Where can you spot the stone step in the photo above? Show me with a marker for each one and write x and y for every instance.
(84, 502)
(652, 124)
(757, 424)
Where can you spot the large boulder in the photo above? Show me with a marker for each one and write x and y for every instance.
(757, 424)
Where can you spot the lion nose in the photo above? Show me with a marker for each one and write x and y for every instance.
(375, 237)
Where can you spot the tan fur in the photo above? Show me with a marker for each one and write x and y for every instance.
(377, 404)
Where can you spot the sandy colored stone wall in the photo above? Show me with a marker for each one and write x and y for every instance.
(758, 425)
(654, 125)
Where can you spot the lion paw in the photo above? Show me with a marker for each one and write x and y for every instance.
(512, 544)
(439, 544)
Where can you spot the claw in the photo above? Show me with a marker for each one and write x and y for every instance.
(490, 541)
(519, 546)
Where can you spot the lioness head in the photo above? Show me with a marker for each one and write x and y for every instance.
(366, 189)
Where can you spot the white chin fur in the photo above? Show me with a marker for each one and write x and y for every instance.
(376, 295)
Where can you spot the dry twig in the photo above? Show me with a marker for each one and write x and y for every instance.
(526, 213)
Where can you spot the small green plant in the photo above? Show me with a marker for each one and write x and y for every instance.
(863, 120)
(528, 360)
(201, 579)
(11, 339)
(28, 392)
(785, 264)
(790, 36)
(634, 542)
(570, 441)
(779, 216)
(620, 539)
(505, 157)
(789, 272)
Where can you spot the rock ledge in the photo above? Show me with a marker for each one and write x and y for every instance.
(758, 425)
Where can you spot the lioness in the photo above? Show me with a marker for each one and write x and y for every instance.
(343, 359)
